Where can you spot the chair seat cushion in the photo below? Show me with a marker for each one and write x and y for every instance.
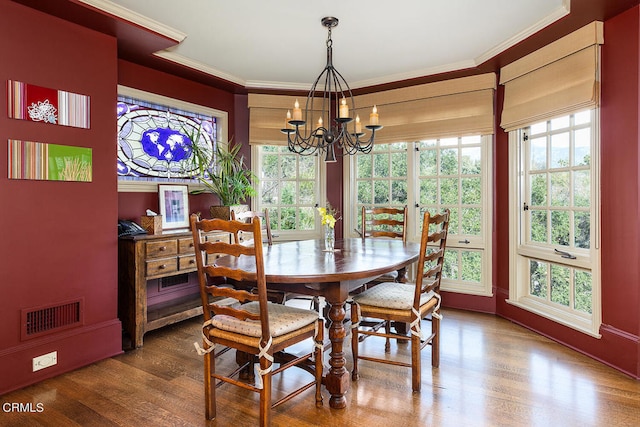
(397, 296)
(282, 320)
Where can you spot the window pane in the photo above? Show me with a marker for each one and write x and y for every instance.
(365, 196)
(583, 291)
(539, 190)
(560, 284)
(582, 230)
(471, 161)
(269, 194)
(307, 192)
(381, 165)
(538, 279)
(270, 166)
(450, 267)
(538, 153)
(582, 188)
(560, 150)
(560, 123)
(399, 164)
(454, 222)
(449, 191)
(560, 228)
(307, 167)
(381, 192)
(288, 193)
(428, 191)
(307, 218)
(471, 220)
(560, 188)
(471, 266)
(582, 147)
(428, 162)
(539, 230)
(582, 117)
(449, 161)
(288, 165)
(471, 191)
(287, 218)
(365, 168)
(399, 192)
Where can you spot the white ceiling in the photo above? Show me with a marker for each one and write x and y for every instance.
(281, 43)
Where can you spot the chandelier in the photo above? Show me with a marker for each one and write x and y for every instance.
(328, 105)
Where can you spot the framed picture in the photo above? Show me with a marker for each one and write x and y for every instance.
(174, 206)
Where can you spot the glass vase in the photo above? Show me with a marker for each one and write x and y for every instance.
(329, 238)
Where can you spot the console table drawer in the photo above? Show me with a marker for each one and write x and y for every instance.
(162, 248)
(187, 262)
(163, 266)
(185, 246)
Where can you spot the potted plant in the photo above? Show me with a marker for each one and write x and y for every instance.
(222, 172)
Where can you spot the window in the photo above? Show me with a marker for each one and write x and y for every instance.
(153, 142)
(449, 173)
(555, 255)
(289, 187)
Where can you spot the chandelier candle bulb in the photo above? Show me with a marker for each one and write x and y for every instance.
(286, 122)
(320, 131)
(297, 111)
(373, 117)
(358, 124)
(344, 109)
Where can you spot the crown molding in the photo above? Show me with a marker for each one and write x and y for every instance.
(136, 18)
(199, 66)
(557, 14)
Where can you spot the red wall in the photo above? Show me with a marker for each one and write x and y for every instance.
(58, 239)
(619, 345)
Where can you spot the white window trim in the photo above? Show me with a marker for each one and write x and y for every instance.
(518, 277)
(486, 289)
(222, 134)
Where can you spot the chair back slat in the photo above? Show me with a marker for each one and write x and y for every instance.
(247, 217)
(432, 248)
(384, 222)
(209, 274)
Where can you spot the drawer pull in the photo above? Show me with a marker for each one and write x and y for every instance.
(191, 261)
(162, 267)
(162, 248)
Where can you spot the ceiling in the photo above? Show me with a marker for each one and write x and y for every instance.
(282, 44)
(244, 45)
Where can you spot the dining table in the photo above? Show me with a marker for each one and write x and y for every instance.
(307, 267)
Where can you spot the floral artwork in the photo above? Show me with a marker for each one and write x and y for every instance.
(49, 162)
(39, 104)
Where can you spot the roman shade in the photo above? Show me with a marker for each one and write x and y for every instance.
(454, 107)
(560, 78)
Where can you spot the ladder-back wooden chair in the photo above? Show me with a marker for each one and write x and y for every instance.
(247, 216)
(388, 223)
(257, 327)
(407, 302)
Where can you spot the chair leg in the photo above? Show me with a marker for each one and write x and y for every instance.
(318, 352)
(387, 329)
(415, 362)
(435, 343)
(355, 318)
(209, 386)
(265, 394)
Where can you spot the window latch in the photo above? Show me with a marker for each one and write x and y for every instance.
(525, 206)
(564, 254)
(465, 241)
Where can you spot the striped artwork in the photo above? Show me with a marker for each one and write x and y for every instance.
(49, 162)
(40, 104)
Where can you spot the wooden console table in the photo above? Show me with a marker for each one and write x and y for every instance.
(145, 257)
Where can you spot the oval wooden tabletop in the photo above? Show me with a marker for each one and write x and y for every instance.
(306, 261)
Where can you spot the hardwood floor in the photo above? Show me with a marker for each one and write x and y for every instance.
(492, 373)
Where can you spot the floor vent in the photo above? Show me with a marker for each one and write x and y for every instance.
(46, 320)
